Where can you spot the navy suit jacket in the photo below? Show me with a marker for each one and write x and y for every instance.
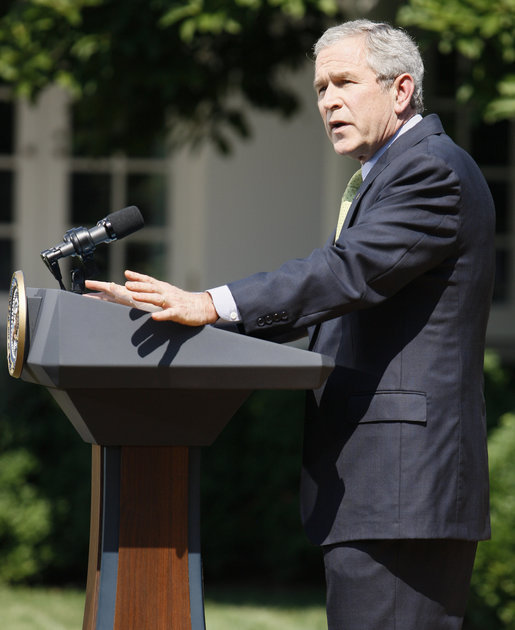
(395, 441)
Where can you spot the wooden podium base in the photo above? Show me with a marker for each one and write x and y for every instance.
(144, 569)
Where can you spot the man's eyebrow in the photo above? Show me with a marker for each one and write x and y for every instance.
(338, 75)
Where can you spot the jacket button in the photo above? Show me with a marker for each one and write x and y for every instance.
(260, 321)
(284, 316)
(277, 317)
(268, 319)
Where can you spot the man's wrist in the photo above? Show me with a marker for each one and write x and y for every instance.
(224, 304)
(209, 308)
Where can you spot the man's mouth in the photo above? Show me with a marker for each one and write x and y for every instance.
(337, 125)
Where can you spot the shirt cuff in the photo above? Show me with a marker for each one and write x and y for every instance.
(224, 304)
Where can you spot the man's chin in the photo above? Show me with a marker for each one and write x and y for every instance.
(344, 148)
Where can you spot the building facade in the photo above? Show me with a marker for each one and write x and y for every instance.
(211, 219)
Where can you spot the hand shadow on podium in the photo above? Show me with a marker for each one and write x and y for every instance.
(151, 335)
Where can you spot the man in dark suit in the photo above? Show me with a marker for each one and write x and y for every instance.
(395, 479)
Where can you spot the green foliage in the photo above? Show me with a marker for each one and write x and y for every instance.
(493, 582)
(44, 488)
(499, 390)
(251, 528)
(482, 31)
(141, 65)
(504, 106)
(24, 518)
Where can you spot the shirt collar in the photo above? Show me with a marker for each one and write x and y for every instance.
(367, 166)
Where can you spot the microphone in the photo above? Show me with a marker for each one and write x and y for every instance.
(82, 242)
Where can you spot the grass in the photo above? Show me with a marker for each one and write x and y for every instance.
(241, 608)
(41, 608)
(259, 609)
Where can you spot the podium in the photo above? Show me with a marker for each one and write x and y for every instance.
(147, 396)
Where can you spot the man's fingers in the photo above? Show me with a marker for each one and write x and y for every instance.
(149, 298)
(96, 285)
(140, 287)
(164, 316)
(167, 302)
(139, 277)
(97, 296)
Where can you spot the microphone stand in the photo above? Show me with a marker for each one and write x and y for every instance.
(87, 270)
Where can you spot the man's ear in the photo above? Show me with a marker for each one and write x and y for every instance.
(404, 86)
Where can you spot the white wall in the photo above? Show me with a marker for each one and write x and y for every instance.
(274, 198)
(41, 191)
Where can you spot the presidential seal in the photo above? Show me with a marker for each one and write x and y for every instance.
(16, 324)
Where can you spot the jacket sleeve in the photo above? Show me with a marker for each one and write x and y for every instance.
(407, 223)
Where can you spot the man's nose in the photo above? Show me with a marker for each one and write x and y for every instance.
(332, 98)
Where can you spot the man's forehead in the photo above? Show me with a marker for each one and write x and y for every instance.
(347, 53)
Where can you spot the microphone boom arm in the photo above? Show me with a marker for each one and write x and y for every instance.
(51, 260)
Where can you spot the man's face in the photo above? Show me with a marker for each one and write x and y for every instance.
(357, 111)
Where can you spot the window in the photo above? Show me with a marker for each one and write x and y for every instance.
(99, 186)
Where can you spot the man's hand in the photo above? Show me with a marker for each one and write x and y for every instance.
(117, 293)
(167, 302)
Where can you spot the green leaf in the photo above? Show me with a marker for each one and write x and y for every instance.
(188, 9)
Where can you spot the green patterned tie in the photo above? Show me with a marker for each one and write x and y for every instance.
(350, 192)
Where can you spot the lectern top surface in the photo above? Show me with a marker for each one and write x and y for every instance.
(79, 342)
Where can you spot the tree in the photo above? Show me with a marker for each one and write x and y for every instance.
(482, 31)
(492, 602)
(133, 66)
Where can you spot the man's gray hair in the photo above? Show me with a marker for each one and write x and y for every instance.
(390, 52)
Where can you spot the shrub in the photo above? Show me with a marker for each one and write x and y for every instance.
(44, 488)
(25, 521)
(492, 602)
